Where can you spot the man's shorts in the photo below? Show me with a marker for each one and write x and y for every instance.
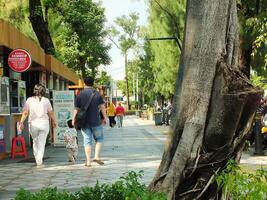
(90, 133)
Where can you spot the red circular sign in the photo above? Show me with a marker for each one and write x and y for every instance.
(19, 60)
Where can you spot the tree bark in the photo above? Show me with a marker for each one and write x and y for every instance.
(214, 104)
(246, 59)
(40, 26)
(127, 81)
(82, 67)
(258, 4)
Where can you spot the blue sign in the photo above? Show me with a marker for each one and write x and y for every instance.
(2, 143)
(1, 132)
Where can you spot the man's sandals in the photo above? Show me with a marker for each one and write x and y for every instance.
(98, 162)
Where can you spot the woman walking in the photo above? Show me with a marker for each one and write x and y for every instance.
(120, 112)
(39, 110)
(111, 114)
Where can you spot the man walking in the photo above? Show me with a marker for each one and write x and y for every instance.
(93, 128)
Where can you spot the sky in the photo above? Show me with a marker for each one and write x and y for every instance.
(114, 9)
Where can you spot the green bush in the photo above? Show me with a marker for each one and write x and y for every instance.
(44, 194)
(130, 112)
(239, 185)
(127, 187)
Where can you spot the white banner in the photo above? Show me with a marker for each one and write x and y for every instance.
(63, 103)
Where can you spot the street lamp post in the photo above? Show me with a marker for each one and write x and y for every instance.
(168, 38)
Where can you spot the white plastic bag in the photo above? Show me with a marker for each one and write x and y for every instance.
(264, 120)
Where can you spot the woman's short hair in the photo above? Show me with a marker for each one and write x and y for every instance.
(39, 90)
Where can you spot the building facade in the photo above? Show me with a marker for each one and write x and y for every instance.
(15, 87)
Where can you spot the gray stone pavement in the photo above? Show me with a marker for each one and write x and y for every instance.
(137, 146)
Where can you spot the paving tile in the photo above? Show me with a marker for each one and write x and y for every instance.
(137, 146)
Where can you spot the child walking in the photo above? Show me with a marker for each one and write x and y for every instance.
(70, 137)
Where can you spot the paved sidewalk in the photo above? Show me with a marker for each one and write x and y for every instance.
(136, 146)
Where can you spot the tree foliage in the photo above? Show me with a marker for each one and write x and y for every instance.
(76, 27)
(81, 45)
(253, 32)
(16, 12)
(103, 79)
(127, 33)
(158, 66)
(166, 19)
(146, 75)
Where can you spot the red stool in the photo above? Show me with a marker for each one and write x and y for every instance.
(14, 147)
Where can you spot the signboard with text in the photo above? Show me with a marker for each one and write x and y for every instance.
(63, 103)
(19, 60)
(4, 95)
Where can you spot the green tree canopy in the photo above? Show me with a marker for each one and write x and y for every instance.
(76, 27)
(127, 33)
(253, 30)
(84, 48)
(166, 19)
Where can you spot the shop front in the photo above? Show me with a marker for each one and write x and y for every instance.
(17, 85)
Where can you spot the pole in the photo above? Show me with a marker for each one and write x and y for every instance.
(126, 79)
(111, 90)
(134, 87)
(169, 38)
(137, 96)
(116, 92)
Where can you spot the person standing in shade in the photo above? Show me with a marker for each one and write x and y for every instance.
(164, 114)
(120, 112)
(111, 114)
(169, 109)
(39, 110)
(93, 127)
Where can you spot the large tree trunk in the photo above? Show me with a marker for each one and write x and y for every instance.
(40, 26)
(214, 104)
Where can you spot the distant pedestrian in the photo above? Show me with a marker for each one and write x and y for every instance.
(170, 111)
(92, 128)
(70, 138)
(111, 112)
(158, 108)
(39, 110)
(120, 112)
(165, 114)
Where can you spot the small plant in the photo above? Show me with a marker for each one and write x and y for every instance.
(239, 185)
(44, 194)
(128, 187)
